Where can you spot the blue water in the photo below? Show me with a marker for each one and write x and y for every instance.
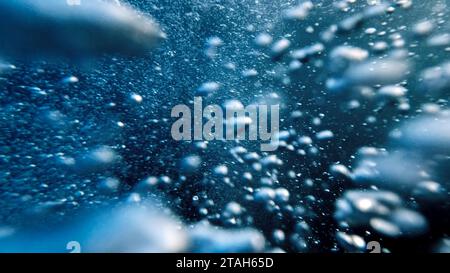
(86, 117)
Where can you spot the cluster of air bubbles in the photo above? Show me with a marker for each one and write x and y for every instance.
(212, 45)
(404, 183)
(101, 26)
(299, 12)
(207, 88)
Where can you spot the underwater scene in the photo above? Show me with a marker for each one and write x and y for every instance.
(225, 126)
